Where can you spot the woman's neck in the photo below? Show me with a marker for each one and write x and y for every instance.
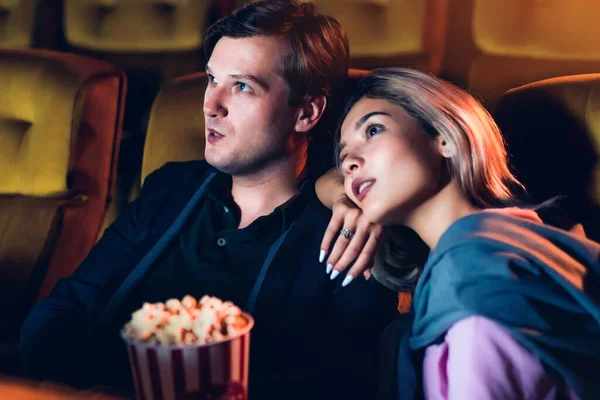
(436, 215)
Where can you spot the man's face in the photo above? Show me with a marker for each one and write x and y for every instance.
(248, 120)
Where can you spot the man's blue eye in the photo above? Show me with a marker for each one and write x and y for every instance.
(211, 79)
(243, 86)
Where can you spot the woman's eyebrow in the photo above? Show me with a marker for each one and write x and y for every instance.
(365, 117)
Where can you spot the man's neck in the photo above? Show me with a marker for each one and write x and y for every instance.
(260, 194)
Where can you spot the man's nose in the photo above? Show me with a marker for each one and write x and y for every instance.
(214, 103)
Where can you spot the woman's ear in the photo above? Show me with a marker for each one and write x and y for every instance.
(310, 113)
(444, 147)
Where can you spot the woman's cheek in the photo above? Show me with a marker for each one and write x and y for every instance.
(348, 189)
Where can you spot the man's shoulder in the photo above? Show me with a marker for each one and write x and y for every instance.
(170, 187)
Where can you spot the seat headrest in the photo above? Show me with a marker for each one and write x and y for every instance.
(134, 26)
(528, 28)
(40, 106)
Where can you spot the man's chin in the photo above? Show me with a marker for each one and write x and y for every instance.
(223, 166)
(238, 166)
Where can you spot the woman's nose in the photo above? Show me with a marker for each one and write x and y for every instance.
(352, 164)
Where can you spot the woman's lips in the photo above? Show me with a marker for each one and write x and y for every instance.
(361, 187)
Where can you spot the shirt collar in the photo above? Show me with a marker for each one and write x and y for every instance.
(219, 190)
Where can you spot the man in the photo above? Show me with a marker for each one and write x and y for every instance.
(244, 226)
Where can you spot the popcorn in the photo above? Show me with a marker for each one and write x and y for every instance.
(185, 322)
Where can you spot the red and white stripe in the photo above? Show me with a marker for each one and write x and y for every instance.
(177, 373)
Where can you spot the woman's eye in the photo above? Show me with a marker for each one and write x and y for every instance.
(212, 79)
(372, 130)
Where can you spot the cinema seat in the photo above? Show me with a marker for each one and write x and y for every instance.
(60, 126)
(161, 34)
(552, 128)
(495, 45)
(394, 33)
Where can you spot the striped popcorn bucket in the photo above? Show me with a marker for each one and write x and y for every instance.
(215, 371)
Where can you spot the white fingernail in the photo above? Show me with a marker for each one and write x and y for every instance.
(334, 274)
(329, 268)
(347, 280)
(322, 255)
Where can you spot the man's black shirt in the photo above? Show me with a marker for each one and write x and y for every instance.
(211, 256)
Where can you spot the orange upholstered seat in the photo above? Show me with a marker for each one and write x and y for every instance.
(60, 126)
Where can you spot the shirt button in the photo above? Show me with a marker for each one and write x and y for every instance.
(226, 209)
(221, 242)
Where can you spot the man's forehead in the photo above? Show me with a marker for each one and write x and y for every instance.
(258, 55)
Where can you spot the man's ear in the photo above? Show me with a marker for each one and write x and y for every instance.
(310, 113)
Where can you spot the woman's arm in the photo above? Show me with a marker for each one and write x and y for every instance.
(330, 188)
(481, 360)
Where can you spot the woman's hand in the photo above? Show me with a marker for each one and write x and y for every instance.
(357, 240)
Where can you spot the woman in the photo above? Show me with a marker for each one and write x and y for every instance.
(506, 307)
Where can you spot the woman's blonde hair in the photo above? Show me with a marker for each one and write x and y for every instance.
(479, 157)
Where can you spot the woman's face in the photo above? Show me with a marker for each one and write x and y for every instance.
(390, 165)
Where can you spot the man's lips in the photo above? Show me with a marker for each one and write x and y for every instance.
(213, 131)
(213, 136)
(360, 187)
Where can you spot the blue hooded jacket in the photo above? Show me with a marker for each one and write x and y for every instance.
(541, 283)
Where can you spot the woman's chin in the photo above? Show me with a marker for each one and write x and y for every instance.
(386, 217)
(383, 212)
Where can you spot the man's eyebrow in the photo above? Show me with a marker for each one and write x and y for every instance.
(260, 82)
(365, 117)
